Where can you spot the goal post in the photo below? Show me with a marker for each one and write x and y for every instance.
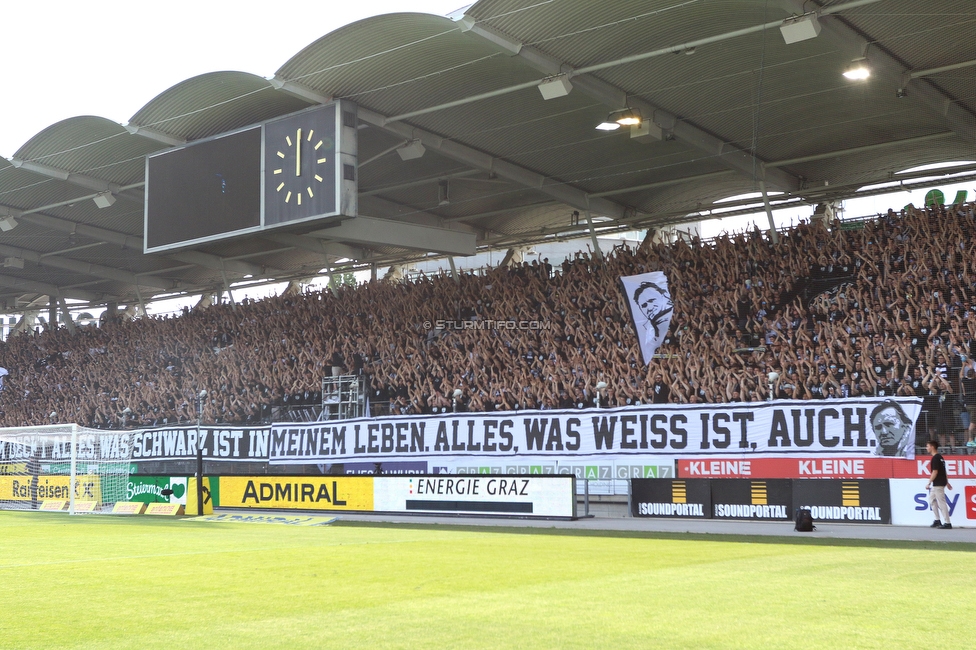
(86, 470)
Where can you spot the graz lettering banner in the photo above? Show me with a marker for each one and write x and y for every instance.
(850, 427)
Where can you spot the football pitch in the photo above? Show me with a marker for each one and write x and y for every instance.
(103, 582)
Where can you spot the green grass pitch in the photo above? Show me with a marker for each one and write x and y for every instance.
(101, 582)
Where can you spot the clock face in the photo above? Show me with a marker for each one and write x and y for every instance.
(302, 148)
(300, 166)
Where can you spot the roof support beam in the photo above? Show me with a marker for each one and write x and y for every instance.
(855, 150)
(616, 98)
(217, 263)
(384, 232)
(30, 286)
(81, 180)
(333, 250)
(559, 190)
(849, 39)
(155, 134)
(86, 268)
(132, 242)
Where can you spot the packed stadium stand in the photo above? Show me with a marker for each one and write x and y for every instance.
(507, 124)
(885, 307)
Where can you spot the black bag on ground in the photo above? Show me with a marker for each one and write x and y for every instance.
(804, 521)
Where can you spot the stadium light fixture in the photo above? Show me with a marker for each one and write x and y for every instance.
(617, 119)
(555, 87)
(411, 151)
(104, 200)
(858, 71)
(7, 224)
(799, 29)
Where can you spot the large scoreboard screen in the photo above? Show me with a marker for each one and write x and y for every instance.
(286, 171)
(208, 189)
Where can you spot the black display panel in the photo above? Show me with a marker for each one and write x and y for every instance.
(204, 190)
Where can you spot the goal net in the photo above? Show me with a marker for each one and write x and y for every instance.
(82, 470)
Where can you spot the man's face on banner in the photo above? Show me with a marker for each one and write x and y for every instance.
(652, 303)
(889, 428)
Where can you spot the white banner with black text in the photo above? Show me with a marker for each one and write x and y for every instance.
(850, 427)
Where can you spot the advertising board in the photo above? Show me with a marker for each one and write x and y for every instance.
(352, 493)
(18, 488)
(865, 501)
(520, 496)
(664, 497)
(769, 500)
(910, 502)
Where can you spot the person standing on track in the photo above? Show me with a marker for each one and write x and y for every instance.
(937, 485)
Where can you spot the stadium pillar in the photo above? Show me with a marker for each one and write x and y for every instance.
(773, 235)
(450, 259)
(230, 294)
(596, 243)
(52, 314)
(66, 316)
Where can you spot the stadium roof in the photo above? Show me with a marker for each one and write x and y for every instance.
(727, 106)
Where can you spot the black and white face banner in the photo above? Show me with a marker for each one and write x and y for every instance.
(650, 308)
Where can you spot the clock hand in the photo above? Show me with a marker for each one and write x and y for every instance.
(298, 153)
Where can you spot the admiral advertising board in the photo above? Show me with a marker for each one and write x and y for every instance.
(662, 497)
(910, 502)
(768, 500)
(519, 496)
(351, 493)
(866, 501)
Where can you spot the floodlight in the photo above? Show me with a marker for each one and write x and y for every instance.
(858, 70)
(628, 117)
(7, 224)
(617, 119)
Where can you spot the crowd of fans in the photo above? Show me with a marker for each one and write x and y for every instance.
(897, 316)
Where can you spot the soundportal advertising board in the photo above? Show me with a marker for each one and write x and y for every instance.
(851, 501)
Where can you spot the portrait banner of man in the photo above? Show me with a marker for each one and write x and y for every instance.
(650, 309)
(894, 430)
